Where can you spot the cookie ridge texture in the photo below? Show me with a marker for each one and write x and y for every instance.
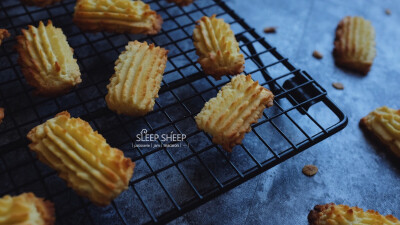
(26, 209)
(217, 48)
(82, 158)
(355, 44)
(384, 123)
(330, 214)
(118, 16)
(46, 60)
(229, 115)
(138, 74)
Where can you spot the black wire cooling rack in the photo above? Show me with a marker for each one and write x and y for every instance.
(168, 181)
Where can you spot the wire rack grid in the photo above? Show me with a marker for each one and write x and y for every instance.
(168, 181)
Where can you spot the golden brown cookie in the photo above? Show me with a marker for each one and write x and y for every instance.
(119, 16)
(26, 209)
(47, 60)
(217, 48)
(182, 2)
(136, 82)
(355, 44)
(3, 35)
(40, 3)
(228, 117)
(331, 214)
(82, 158)
(384, 123)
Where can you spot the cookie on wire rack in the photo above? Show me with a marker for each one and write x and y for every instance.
(118, 16)
(217, 48)
(82, 158)
(355, 44)
(384, 124)
(344, 215)
(181, 2)
(39, 3)
(26, 208)
(3, 35)
(228, 117)
(46, 60)
(136, 82)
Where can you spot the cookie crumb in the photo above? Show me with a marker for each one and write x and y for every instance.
(1, 114)
(338, 85)
(388, 12)
(268, 30)
(310, 170)
(317, 55)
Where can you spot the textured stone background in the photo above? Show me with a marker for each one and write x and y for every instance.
(352, 170)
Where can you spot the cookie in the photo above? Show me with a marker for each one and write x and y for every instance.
(26, 209)
(138, 74)
(355, 44)
(344, 215)
(82, 158)
(118, 16)
(217, 48)
(46, 60)
(384, 124)
(228, 117)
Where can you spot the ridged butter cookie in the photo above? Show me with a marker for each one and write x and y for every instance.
(355, 44)
(138, 74)
(330, 214)
(228, 117)
(119, 16)
(26, 209)
(384, 123)
(217, 48)
(46, 60)
(82, 158)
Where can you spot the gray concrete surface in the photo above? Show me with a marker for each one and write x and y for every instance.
(352, 170)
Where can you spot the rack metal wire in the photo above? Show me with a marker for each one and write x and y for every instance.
(168, 181)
